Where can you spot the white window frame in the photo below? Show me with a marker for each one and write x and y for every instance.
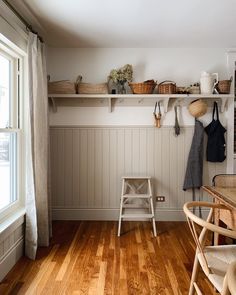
(16, 123)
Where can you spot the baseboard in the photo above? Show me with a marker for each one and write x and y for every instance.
(111, 214)
(11, 257)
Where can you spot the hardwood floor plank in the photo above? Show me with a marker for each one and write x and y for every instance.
(101, 278)
(87, 257)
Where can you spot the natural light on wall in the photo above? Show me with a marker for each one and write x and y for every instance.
(8, 138)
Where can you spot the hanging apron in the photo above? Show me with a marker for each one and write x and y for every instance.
(193, 174)
(216, 140)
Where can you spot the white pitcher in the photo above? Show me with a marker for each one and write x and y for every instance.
(207, 82)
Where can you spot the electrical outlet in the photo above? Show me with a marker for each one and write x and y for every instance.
(160, 199)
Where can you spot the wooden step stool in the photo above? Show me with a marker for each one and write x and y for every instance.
(131, 190)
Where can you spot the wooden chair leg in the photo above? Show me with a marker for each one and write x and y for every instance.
(194, 275)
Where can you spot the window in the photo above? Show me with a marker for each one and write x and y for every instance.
(10, 130)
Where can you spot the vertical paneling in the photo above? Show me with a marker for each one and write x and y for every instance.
(60, 168)
(105, 168)
(88, 162)
(68, 164)
(113, 167)
(10, 241)
(135, 151)
(98, 169)
(53, 154)
(128, 151)
(150, 147)
(76, 167)
(91, 167)
(143, 151)
(83, 165)
(120, 162)
(157, 160)
(165, 165)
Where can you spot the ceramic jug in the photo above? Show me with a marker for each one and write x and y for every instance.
(207, 82)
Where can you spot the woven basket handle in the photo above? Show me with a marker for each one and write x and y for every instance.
(166, 81)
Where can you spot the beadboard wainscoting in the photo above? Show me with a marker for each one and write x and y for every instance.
(87, 164)
(11, 246)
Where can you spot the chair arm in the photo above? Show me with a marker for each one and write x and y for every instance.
(205, 224)
(231, 277)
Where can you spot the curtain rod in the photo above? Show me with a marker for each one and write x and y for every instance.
(22, 19)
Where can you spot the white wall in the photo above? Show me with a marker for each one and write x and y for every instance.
(94, 64)
(180, 65)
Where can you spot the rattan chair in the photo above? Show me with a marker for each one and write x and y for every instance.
(231, 278)
(214, 260)
(224, 180)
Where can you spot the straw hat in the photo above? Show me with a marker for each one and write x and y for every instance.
(197, 108)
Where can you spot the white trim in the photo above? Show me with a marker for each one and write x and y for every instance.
(231, 50)
(12, 31)
(10, 36)
(8, 14)
(13, 20)
(11, 257)
(111, 214)
(11, 223)
(29, 16)
(10, 47)
(15, 56)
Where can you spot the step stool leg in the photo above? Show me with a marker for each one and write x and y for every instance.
(152, 209)
(121, 205)
(153, 218)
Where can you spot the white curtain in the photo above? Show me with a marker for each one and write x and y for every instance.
(37, 189)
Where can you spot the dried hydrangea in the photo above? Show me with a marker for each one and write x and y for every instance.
(122, 75)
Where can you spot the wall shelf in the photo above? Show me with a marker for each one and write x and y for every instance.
(109, 99)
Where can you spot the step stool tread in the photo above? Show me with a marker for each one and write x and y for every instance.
(137, 215)
(136, 177)
(137, 196)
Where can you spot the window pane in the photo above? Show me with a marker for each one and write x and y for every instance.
(4, 92)
(7, 169)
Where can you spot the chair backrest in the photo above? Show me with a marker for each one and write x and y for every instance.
(224, 180)
(207, 225)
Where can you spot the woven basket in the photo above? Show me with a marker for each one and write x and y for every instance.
(88, 88)
(61, 87)
(167, 87)
(143, 88)
(197, 108)
(224, 86)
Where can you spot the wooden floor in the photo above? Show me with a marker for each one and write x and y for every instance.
(88, 258)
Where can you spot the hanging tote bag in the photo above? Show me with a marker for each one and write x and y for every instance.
(216, 140)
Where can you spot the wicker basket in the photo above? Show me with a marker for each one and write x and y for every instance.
(167, 87)
(61, 87)
(224, 86)
(88, 88)
(143, 88)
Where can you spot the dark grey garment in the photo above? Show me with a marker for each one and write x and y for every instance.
(193, 174)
